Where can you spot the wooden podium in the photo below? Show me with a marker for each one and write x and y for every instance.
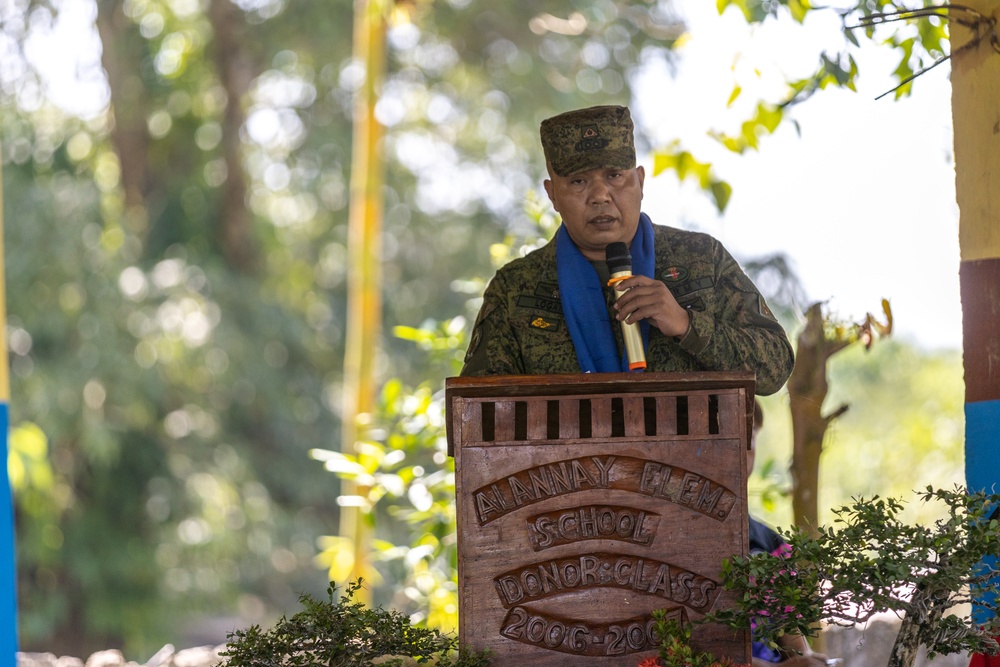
(585, 502)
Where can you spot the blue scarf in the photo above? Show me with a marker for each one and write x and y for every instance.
(583, 303)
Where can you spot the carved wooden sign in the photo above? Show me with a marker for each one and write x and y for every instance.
(587, 502)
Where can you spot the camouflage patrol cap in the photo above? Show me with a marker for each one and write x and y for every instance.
(592, 138)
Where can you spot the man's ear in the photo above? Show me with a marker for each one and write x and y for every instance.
(547, 184)
(642, 175)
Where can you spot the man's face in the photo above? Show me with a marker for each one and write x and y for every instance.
(598, 207)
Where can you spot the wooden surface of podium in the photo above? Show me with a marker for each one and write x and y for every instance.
(585, 502)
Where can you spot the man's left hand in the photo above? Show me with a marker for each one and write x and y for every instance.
(642, 298)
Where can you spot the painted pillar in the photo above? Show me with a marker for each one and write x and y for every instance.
(8, 573)
(364, 275)
(976, 117)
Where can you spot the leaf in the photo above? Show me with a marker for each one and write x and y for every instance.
(721, 192)
(904, 90)
(28, 440)
(748, 132)
(834, 68)
(849, 34)
(408, 333)
(662, 161)
(343, 465)
(336, 555)
(885, 329)
(799, 9)
(769, 116)
(722, 5)
(734, 95)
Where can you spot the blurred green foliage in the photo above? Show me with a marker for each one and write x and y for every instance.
(865, 453)
(176, 285)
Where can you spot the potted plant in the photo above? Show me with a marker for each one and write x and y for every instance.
(340, 632)
(871, 562)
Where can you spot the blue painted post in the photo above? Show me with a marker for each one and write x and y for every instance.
(8, 573)
(982, 454)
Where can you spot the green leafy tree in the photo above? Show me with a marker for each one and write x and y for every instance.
(819, 340)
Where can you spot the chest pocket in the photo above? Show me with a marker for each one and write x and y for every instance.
(690, 294)
(542, 309)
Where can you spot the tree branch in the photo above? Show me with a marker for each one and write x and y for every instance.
(844, 407)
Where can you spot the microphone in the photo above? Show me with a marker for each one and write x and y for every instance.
(620, 267)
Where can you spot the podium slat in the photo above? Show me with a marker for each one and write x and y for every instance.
(600, 418)
(538, 419)
(569, 418)
(635, 416)
(472, 421)
(698, 414)
(504, 421)
(730, 423)
(666, 415)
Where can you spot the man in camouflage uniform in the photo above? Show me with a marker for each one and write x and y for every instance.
(703, 313)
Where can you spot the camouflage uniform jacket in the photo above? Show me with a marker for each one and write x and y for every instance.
(521, 330)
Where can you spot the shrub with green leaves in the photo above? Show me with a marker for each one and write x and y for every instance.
(340, 632)
(675, 646)
(871, 562)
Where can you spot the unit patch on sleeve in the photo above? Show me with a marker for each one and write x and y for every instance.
(477, 330)
(477, 336)
(763, 308)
